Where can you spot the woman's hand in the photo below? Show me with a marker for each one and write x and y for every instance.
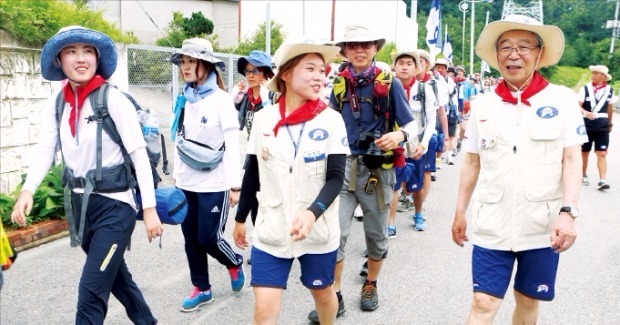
(239, 235)
(233, 198)
(22, 208)
(302, 225)
(153, 225)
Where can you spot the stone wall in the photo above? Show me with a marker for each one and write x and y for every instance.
(23, 93)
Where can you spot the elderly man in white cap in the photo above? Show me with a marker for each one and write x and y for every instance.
(596, 103)
(522, 157)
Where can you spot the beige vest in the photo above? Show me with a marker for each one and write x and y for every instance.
(284, 193)
(520, 186)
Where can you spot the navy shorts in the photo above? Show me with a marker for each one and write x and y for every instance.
(403, 174)
(317, 270)
(598, 140)
(416, 180)
(535, 277)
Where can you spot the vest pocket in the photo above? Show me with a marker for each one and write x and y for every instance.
(485, 220)
(542, 206)
(549, 148)
(271, 228)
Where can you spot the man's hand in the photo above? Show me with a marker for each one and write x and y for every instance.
(564, 233)
(390, 141)
(239, 235)
(590, 116)
(302, 225)
(459, 228)
(153, 225)
(418, 152)
(22, 208)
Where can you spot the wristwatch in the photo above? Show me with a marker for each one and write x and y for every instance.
(570, 210)
(405, 134)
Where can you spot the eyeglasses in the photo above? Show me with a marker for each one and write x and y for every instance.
(363, 45)
(254, 72)
(521, 49)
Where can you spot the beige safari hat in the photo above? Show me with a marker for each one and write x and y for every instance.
(602, 69)
(552, 38)
(359, 33)
(197, 48)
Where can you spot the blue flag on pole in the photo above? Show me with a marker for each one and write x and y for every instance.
(433, 28)
(447, 48)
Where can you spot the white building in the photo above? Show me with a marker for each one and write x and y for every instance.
(135, 16)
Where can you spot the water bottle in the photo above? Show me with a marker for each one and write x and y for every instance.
(150, 129)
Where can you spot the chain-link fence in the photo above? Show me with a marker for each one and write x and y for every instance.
(155, 82)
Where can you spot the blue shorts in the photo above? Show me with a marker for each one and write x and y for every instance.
(416, 181)
(317, 270)
(535, 277)
(403, 174)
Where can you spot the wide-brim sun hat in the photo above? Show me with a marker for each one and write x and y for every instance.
(412, 53)
(256, 58)
(551, 36)
(197, 48)
(359, 33)
(601, 69)
(107, 56)
(426, 56)
(442, 61)
(295, 48)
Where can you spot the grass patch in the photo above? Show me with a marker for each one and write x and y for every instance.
(572, 77)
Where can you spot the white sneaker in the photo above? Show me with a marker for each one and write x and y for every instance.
(585, 181)
(450, 160)
(438, 163)
(359, 214)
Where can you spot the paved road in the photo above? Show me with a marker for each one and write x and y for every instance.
(425, 280)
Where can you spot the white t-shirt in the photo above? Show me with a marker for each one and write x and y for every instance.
(205, 122)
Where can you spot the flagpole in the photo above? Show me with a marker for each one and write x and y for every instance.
(471, 40)
(481, 65)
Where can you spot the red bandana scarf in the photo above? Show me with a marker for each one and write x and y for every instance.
(538, 83)
(599, 87)
(304, 113)
(408, 87)
(82, 94)
(253, 101)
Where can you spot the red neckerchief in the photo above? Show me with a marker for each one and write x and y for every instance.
(538, 83)
(408, 87)
(597, 88)
(82, 94)
(427, 77)
(304, 113)
(253, 101)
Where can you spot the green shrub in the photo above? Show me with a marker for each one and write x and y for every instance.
(48, 199)
(36, 21)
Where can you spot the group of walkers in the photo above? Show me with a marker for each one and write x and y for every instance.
(310, 162)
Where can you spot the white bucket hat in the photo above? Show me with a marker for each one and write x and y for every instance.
(602, 69)
(552, 38)
(295, 48)
(197, 48)
(426, 56)
(442, 61)
(359, 33)
(411, 53)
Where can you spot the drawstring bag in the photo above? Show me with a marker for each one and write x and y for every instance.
(171, 205)
(7, 252)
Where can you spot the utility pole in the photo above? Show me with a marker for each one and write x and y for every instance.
(615, 27)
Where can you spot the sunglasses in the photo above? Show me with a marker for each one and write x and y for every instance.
(363, 45)
(254, 72)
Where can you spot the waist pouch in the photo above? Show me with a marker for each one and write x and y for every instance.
(199, 156)
(171, 205)
(113, 179)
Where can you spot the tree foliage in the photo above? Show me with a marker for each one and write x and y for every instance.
(385, 54)
(181, 28)
(35, 21)
(258, 41)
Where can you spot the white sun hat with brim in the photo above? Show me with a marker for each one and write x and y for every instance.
(442, 61)
(106, 51)
(551, 36)
(601, 69)
(295, 48)
(359, 33)
(426, 56)
(411, 53)
(197, 48)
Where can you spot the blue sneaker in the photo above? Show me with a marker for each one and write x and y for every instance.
(196, 299)
(420, 225)
(391, 231)
(237, 276)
